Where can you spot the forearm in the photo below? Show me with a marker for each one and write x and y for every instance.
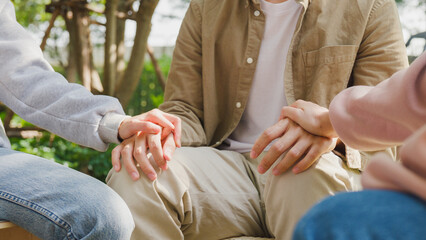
(31, 88)
(384, 115)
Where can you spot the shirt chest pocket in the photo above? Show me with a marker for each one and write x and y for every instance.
(327, 71)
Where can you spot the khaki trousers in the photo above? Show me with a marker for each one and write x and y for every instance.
(213, 194)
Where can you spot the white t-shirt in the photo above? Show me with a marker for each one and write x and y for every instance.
(267, 95)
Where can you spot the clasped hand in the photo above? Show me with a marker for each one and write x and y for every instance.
(153, 133)
(295, 140)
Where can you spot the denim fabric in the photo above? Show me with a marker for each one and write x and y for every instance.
(56, 202)
(366, 215)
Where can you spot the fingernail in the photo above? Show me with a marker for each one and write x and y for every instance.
(164, 167)
(166, 156)
(252, 154)
(135, 175)
(116, 168)
(296, 170)
(261, 169)
(276, 172)
(152, 176)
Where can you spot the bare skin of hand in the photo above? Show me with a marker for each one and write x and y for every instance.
(154, 122)
(311, 117)
(153, 131)
(414, 148)
(134, 153)
(300, 147)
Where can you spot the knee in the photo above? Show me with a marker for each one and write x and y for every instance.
(323, 219)
(110, 218)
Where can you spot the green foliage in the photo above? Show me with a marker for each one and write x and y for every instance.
(31, 12)
(92, 162)
(149, 94)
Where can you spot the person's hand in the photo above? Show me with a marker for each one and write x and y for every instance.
(413, 152)
(154, 121)
(135, 153)
(297, 144)
(311, 117)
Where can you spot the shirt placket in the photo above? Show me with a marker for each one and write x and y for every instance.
(256, 27)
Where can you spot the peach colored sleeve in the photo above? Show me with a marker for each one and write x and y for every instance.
(373, 118)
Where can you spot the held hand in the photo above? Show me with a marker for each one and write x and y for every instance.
(297, 144)
(310, 116)
(135, 150)
(154, 121)
(413, 152)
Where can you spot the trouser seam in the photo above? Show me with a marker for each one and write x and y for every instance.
(40, 210)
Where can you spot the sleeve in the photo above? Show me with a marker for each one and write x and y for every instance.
(384, 115)
(382, 50)
(30, 87)
(184, 92)
(381, 53)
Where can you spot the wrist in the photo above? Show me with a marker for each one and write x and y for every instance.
(328, 128)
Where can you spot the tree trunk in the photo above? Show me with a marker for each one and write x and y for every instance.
(130, 79)
(124, 7)
(110, 62)
(83, 51)
(72, 68)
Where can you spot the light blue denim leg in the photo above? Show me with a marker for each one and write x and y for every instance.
(56, 202)
(366, 215)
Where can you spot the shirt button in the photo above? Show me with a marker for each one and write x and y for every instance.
(256, 13)
(238, 104)
(249, 60)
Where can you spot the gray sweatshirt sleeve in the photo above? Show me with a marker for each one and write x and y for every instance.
(30, 87)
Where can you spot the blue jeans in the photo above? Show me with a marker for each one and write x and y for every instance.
(55, 202)
(366, 215)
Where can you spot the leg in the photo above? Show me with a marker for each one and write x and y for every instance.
(367, 215)
(289, 196)
(55, 202)
(205, 194)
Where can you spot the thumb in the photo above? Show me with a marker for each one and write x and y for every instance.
(292, 113)
(131, 127)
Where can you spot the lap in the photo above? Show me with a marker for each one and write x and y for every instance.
(214, 187)
(288, 196)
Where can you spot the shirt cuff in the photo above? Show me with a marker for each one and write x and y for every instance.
(108, 127)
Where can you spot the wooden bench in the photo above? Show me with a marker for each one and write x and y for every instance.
(10, 231)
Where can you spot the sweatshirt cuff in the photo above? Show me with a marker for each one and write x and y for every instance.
(108, 127)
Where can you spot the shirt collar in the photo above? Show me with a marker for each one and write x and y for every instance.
(305, 3)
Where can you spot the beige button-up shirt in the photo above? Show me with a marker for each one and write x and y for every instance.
(336, 44)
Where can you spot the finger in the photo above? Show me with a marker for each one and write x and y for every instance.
(177, 132)
(140, 154)
(165, 133)
(293, 113)
(115, 158)
(127, 159)
(311, 157)
(131, 126)
(298, 103)
(159, 117)
(293, 155)
(270, 134)
(276, 150)
(155, 147)
(169, 147)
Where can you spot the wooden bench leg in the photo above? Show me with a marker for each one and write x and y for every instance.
(9, 231)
